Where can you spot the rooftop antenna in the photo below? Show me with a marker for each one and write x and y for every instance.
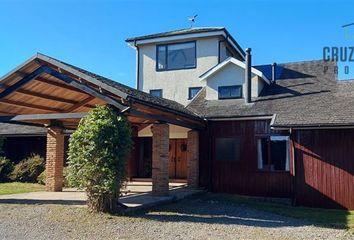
(192, 19)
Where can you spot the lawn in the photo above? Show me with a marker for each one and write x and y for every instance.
(326, 217)
(17, 187)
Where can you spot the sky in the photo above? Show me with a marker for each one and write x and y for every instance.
(91, 34)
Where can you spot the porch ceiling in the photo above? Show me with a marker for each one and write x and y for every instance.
(43, 87)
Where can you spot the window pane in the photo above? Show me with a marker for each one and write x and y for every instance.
(193, 91)
(161, 57)
(230, 92)
(156, 92)
(278, 154)
(181, 56)
(224, 52)
(227, 149)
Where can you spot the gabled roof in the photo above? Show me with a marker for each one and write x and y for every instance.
(105, 83)
(305, 95)
(234, 61)
(186, 33)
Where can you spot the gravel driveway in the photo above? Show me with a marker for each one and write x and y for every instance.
(190, 219)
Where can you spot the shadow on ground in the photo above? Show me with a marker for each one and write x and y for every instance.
(215, 210)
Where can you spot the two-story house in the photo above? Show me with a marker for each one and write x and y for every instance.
(201, 112)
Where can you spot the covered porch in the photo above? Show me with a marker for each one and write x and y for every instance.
(49, 93)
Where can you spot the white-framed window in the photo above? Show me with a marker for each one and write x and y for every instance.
(273, 153)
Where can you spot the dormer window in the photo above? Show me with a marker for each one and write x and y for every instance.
(230, 92)
(224, 51)
(176, 56)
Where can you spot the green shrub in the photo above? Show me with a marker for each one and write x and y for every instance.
(41, 178)
(6, 167)
(96, 158)
(28, 169)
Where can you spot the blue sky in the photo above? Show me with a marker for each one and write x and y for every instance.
(91, 34)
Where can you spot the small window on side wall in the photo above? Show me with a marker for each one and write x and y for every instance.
(156, 92)
(193, 91)
(230, 92)
(227, 149)
(273, 153)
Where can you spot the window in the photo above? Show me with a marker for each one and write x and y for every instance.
(273, 153)
(224, 51)
(192, 91)
(156, 92)
(176, 56)
(227, 149)
(227, 92)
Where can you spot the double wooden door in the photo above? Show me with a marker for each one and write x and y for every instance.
(178, 158)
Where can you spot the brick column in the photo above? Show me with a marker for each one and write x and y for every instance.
(160, 148)
(193, 159)
(54, 160)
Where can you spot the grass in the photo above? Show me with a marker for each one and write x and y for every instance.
(327, 217)
(17, 187)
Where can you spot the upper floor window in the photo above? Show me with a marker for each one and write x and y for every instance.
(176, 56)
(156, 92)
(224, 51)
(228, 92)
(193, 91)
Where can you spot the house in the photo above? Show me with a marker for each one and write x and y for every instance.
(202, 112)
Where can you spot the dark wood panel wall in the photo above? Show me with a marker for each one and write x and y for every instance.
(324, 161)
(240, 177)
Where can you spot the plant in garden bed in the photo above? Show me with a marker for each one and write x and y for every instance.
(96, 158)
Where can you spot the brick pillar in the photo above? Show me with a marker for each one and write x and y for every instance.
(193, 159)
(160, 148)
(54, 160)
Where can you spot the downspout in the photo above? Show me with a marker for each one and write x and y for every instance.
(248, 83)
(137, 65)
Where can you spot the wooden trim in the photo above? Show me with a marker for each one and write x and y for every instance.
(80, 104)
(45, 96)
(57, 84)
(29, 105)
(136, 113)
(48, 116)
(83, 87)
(22, 82)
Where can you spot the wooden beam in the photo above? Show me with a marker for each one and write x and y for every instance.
(45, 96)
(22, 82)
(47, 116)
(80, 104)
(83, 87)
(57, 84)
(132, 112)
(29, 105)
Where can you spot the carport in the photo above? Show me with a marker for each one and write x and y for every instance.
(49, 93)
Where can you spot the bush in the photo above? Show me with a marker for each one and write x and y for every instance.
(96, 158)
(6, 167)
(28, 169)
(41, 178)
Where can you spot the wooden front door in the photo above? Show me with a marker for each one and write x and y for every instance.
(178, 158)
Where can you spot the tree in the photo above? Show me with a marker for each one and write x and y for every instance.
(96, 158)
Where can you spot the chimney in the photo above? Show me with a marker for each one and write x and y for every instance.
(248, 82)
(274, 65)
